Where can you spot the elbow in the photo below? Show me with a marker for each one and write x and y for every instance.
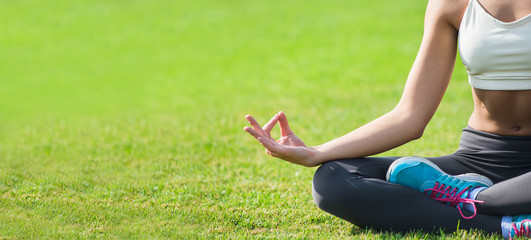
(414, 127)
(417, 129)
(417, 134)
(412, 123)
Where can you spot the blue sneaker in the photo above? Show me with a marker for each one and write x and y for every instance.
(520, 226)
(421, 174)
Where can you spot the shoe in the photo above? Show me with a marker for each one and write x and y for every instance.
(520, 226)
(424, 176)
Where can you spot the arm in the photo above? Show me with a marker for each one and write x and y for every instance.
(423, 92)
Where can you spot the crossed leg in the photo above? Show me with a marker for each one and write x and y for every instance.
(356, 190)
(508, 197)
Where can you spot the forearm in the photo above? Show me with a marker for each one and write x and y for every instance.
(389, 131)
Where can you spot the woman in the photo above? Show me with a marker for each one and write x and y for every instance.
(484, 185)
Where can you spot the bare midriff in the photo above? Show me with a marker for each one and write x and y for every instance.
(502, 112)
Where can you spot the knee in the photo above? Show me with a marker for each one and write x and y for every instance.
(325, 172)
(327, 175)
(322, 184)
(331, 182)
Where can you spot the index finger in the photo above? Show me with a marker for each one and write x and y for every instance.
(256, 126)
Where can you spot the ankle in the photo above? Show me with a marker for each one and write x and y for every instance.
(473, 194)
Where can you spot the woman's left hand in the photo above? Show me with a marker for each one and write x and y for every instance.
(288, 147)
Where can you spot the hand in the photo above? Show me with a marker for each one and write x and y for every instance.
(288, 147)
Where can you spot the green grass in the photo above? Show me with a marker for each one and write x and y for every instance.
(123, 119)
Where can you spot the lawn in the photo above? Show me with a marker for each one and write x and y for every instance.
(123, 119)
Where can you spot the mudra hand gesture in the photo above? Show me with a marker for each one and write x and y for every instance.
(288, 147)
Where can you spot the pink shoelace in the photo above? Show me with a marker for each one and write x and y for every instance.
(447, 194)
(524, 231)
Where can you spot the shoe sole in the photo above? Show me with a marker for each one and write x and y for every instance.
(466, 177)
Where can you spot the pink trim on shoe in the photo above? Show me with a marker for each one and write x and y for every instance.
(524, 231)
(449, 195)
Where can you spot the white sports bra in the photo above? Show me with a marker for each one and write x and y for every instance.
(497, 54)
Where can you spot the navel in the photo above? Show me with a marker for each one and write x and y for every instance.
(516, 128)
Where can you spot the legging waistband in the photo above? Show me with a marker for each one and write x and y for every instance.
(478, 141)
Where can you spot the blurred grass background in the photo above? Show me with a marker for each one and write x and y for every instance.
(123, 119)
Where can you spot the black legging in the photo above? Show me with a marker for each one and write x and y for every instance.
(356, 189)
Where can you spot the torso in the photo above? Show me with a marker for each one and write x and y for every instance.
(496, 111)
(502, 112)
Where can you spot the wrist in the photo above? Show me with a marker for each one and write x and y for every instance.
(317, 158)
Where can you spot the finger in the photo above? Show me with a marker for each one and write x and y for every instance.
(270, 145)
(271, 124)
(285, 130)
(273, 148)
(255, 125)
(253, 133)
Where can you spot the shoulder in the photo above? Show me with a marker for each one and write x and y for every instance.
(449, 12)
